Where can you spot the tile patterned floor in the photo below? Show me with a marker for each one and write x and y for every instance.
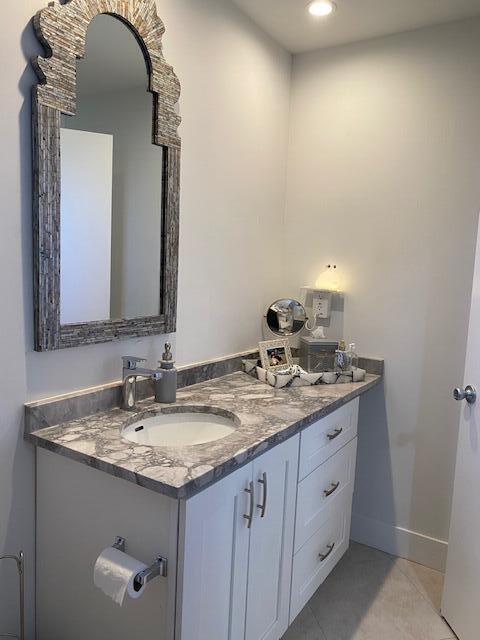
(373, 596)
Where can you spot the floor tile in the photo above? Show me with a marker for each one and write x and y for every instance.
(374, 600)
(304, 627)
(428, 581)
(360, 553)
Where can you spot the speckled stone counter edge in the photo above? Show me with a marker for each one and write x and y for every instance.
(56, 410)
(189, 486)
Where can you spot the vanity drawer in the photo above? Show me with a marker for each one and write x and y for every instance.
(317, 558)
(319, 493)
(323, 438)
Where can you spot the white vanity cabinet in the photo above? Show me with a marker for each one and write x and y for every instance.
(241, 583)
(244, 555)
(235, 578)
(328, 451)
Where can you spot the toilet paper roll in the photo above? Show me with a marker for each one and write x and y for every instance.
(114, 574)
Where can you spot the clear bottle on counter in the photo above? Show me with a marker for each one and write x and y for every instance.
(353, 355)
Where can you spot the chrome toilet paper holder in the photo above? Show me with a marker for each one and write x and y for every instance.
(159, 568)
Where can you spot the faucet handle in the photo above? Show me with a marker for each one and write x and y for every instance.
(130, 362)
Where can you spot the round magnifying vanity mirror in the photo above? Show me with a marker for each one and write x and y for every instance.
(286, 317)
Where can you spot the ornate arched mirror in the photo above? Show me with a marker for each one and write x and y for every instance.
(106, 179)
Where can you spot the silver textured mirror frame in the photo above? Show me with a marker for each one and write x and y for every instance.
(62, 30)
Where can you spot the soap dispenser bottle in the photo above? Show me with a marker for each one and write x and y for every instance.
(166, 387)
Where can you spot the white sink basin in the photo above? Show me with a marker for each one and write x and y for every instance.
(179, 429)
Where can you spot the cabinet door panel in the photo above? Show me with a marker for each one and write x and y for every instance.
(319, 555)
(80, 511)
(215, 562)
(319, 492)
(271, 542)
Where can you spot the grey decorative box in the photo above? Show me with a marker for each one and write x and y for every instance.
(286, 380)
(317, 356)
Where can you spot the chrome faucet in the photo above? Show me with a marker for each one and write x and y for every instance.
(130, 372)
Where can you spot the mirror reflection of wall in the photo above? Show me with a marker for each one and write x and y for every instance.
(111, 192)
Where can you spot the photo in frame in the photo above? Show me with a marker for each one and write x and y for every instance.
(275, 354)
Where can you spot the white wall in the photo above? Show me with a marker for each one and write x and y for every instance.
(383, 173)
(17, 523)
(235, 105)
(384, 180)
(235, 109)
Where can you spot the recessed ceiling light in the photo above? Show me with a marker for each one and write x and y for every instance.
(321, 8)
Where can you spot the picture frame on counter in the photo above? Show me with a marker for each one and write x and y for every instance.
(275, 354)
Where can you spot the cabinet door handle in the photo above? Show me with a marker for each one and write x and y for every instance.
(333, 488)
(324, 556)
(335, 434)
(249, 516)
(263, 506)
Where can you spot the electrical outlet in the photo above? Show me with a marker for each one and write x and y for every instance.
(321, 307)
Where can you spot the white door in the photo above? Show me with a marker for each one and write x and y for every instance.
(271, 542)
(461, 597)
(215, 563)
(85, 225)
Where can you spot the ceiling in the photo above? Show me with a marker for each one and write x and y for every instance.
(288, 22)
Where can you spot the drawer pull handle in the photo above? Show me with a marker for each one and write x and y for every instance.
(249, 516)
(333, 488)
(324, 556)
(335, 434)
(263, 506)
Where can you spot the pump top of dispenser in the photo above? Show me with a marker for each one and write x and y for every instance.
(167, 361)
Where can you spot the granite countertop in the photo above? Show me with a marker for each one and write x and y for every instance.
(266, 416)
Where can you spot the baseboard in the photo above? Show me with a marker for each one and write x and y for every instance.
(400, 542)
